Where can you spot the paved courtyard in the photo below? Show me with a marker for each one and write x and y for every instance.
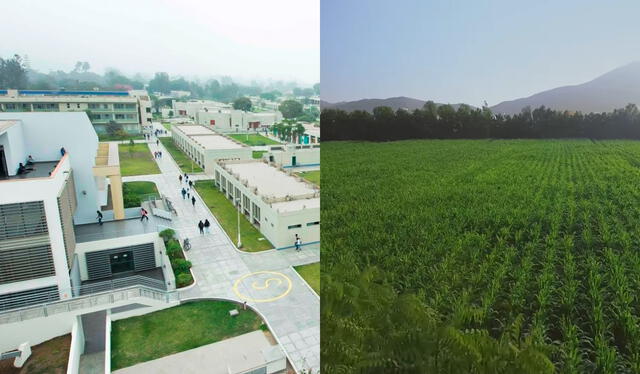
(265, 280)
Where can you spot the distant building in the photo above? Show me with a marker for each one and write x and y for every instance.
(191, 107)
(232, 120)
(178, 94)
(130, 109)
(294, 155)
(205, 146)
(279, 204)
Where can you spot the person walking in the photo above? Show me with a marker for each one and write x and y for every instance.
(62, 151)
(184, 193)
(99, 218)
(201, 227)
(143, 214)
(188, 193)
(157, 141)
(206, 225)
(298, 243)
(180, 178)
(190, 184)
(193, 201)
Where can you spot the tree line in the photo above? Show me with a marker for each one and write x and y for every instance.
(434, 121)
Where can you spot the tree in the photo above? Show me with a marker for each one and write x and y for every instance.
(242, 103)
(160, 83)
(13, 73)
(290, 109)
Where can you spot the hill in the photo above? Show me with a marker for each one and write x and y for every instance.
(609, 91)
(369, 104)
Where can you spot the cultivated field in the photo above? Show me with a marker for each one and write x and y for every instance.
(535, 242)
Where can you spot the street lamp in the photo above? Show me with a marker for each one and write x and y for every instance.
(238, 206)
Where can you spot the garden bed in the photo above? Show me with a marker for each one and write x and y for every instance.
(179, 264)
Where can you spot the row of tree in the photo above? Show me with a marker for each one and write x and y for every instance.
(444, 122)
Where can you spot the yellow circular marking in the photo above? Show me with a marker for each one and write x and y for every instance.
(267, 283)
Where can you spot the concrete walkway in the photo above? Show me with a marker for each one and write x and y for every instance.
(264, 279)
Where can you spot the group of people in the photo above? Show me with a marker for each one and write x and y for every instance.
(29, 167)
(204, 226)
(157, 154)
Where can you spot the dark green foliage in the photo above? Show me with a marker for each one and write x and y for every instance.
(167, 234)
(290, 109)
(242, 103)
(184, 279)
(181, 265)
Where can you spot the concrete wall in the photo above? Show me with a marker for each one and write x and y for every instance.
(44, 135)
(35, 331)
(14, 147)
(77, 346)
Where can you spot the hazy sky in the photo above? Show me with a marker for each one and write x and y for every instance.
(277, 39)
(471, 51)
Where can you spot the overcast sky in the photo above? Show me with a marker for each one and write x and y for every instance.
(470, 51)
(244, 39)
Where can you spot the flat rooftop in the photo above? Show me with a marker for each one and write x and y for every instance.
(115, 229)
(269, 181)
(5, 124)
(40, 170)
(234, 355)
(195, 130)
(215, 142)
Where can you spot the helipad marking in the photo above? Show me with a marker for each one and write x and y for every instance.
(267, 283)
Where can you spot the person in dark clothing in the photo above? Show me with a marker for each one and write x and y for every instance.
(184, 193)
(99, 217)
(157, 141)
(62, 151)
(201, 227)
(143, 214)
(206, 225)
(193, 201)
(180, 178)
(190, 184)
(21, 169)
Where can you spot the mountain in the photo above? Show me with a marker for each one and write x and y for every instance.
(369, 104)
(609, 91)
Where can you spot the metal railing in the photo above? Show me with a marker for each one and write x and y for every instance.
(88, 301)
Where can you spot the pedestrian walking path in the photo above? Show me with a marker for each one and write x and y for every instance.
(265, 280)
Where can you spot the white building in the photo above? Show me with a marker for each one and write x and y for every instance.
(191, 107)
(232, 120)
(294, 155)
(129, 109)
(281, 205)
(205, 147)
(53, 253)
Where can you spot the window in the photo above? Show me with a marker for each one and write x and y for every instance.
(294, 226)
(256, 212)
(78, 105)
(313, 223)
(93, 106)
(148, 110)
(119, 116)
(68, 106)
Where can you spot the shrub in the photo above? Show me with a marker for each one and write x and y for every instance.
(180, 265)
(184, 279)
(167, 234)
(173, 248)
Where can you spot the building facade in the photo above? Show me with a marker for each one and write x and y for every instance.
(279, 204)
(231, 120)
(129, 109)
(293, 155)
(205, 146)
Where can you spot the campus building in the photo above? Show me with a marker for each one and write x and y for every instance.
(56, 261)
(231, 120)
(293, 155)
(278, 203)
(129, 109)
(189, 108)
(205, 146)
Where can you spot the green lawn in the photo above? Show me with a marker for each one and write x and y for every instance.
(311, 176)
(311, 274)
(135, 192)
(253, 139)
(109, 138)
(167, 125)
(225, 212)
(136, 160)
(177, 329)
(184, 162)
(258, 154)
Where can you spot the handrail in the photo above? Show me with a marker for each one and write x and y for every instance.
(87, 301)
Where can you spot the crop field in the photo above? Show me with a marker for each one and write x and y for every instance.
(530, 241)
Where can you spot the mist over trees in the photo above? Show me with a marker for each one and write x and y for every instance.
(15, 73)
(444, 122)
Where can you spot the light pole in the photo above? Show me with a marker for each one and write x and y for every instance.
(238, 206)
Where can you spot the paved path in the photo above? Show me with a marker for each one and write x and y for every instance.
(264, 279)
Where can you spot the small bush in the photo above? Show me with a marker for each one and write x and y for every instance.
(167, 234)
(180, 265)
(173, 248)
(184, 279)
